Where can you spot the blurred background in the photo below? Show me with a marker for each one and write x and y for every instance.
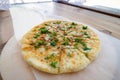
(105, 6)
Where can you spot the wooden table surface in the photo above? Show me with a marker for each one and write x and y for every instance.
(104, 23)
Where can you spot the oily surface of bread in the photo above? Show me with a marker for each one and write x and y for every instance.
(58, 46)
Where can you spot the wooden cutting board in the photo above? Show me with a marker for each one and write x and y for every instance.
(13, 67)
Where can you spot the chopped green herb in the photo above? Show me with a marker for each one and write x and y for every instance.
(47, 24)
(50, 57)
(68, 54)
(47, 58)
(53, 43)
(43, 30)
(50, 35)
(54, 34)
(83, 44)
(84, 27)
(58, 22)
(54, 64)
(86, 49)
(56, 40)
(52, 54)
(36, 35)
(87, 35)
(70, 27)
(65, 33)
(78, 39)
(32, 43)
(76, 45)
(37, 46)
(86, 54)
(66, 41)
(63, 29)
(39, 43)
(66, 24)
(73, 23)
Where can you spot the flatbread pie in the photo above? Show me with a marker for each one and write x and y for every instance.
(58, 46)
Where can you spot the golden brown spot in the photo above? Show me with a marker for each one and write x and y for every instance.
(73, 62)
(41, 60)
(46, 69)
(72, 55)
(27, 56)
(26, 48)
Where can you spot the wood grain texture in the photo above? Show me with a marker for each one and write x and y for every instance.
(102, 22)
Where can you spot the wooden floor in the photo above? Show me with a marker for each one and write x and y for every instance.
(104, 23)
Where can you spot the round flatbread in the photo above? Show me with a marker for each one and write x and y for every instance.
(58, 46)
